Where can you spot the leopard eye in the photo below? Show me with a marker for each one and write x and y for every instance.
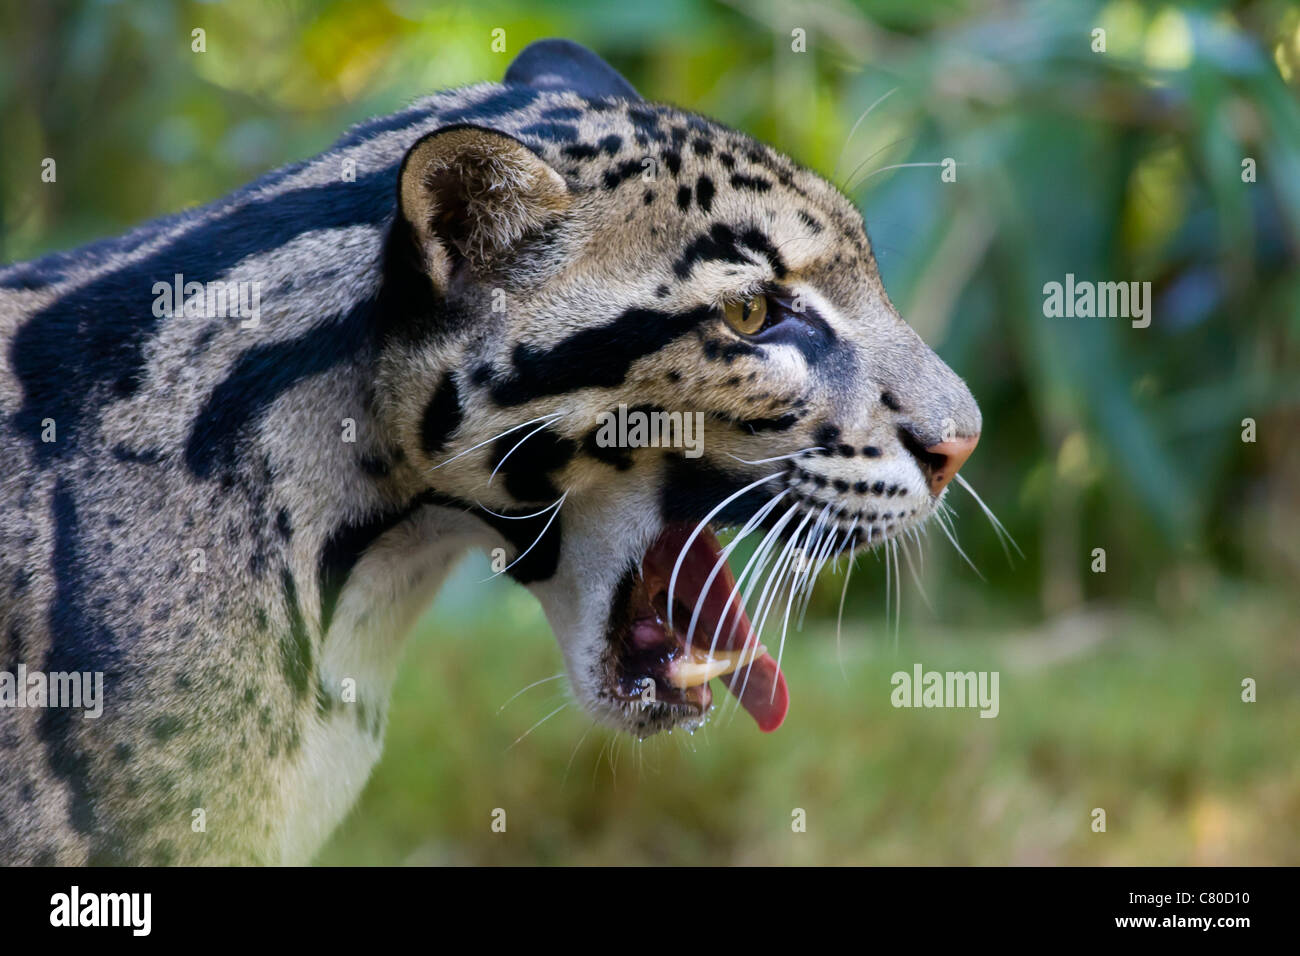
(747, 318)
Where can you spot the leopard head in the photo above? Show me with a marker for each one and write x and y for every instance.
(613, 328)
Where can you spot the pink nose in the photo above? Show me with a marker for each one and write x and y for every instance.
(954, 454)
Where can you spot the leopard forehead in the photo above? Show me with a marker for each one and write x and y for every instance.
(657, 184)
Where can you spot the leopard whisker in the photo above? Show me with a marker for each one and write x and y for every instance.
(569, 766)
(765, 603)
(763, 461)
(479, 504)
(823, 555)
(722, 563)
(898, 593)
(536, 683)
(492, 477)
(941, 519)
(885, 169)
(540, 535)
(916, 578)
(757, 561)
(993, 519)
(681, 556)
(554, 416)
(844, 593)
(801, 586)
(538, 724)
(848, 139)
(849, 184)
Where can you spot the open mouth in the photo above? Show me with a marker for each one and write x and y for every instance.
(666, 657)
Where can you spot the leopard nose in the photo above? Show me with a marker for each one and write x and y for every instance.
(947, 457)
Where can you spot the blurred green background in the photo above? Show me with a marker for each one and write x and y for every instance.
(1119, 690)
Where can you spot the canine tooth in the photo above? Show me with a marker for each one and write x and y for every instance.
(701, 668)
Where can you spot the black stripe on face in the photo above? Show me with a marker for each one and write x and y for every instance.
(442, 416)
(692, 489)
(527, 461)
(757, 240)
(613, 455)
(723, 244)
(756, 425)
(598, 357)
(716, 350)
(809, 221)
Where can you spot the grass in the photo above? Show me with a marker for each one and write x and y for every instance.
(1136, 713)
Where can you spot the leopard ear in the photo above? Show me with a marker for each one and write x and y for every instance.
(558, 64)
(469, 194)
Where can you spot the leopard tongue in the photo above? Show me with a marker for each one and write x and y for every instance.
(758, 685)
(762, 692)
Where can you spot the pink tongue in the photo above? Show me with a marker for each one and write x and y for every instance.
(764, 695)
(767, 708)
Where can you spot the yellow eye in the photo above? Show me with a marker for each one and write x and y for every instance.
(747, 318)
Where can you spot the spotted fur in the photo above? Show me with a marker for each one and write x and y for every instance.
(534, 251)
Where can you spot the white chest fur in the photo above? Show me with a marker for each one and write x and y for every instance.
(384, 595)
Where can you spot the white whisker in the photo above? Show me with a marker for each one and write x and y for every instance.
(784, 563)
(950, 533)
(757, 561)
(839, 621)
(722, 563)
(993, 519)
(763, 461)
(916, 578)
(539, 723)
(535, 514)
(865, 113)
(568, 766)
(551, 417)
(536, 683)
(884, 169)
(898, 593)
(849, 184)
(681, 556)
(540, 535)
(492, 476)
